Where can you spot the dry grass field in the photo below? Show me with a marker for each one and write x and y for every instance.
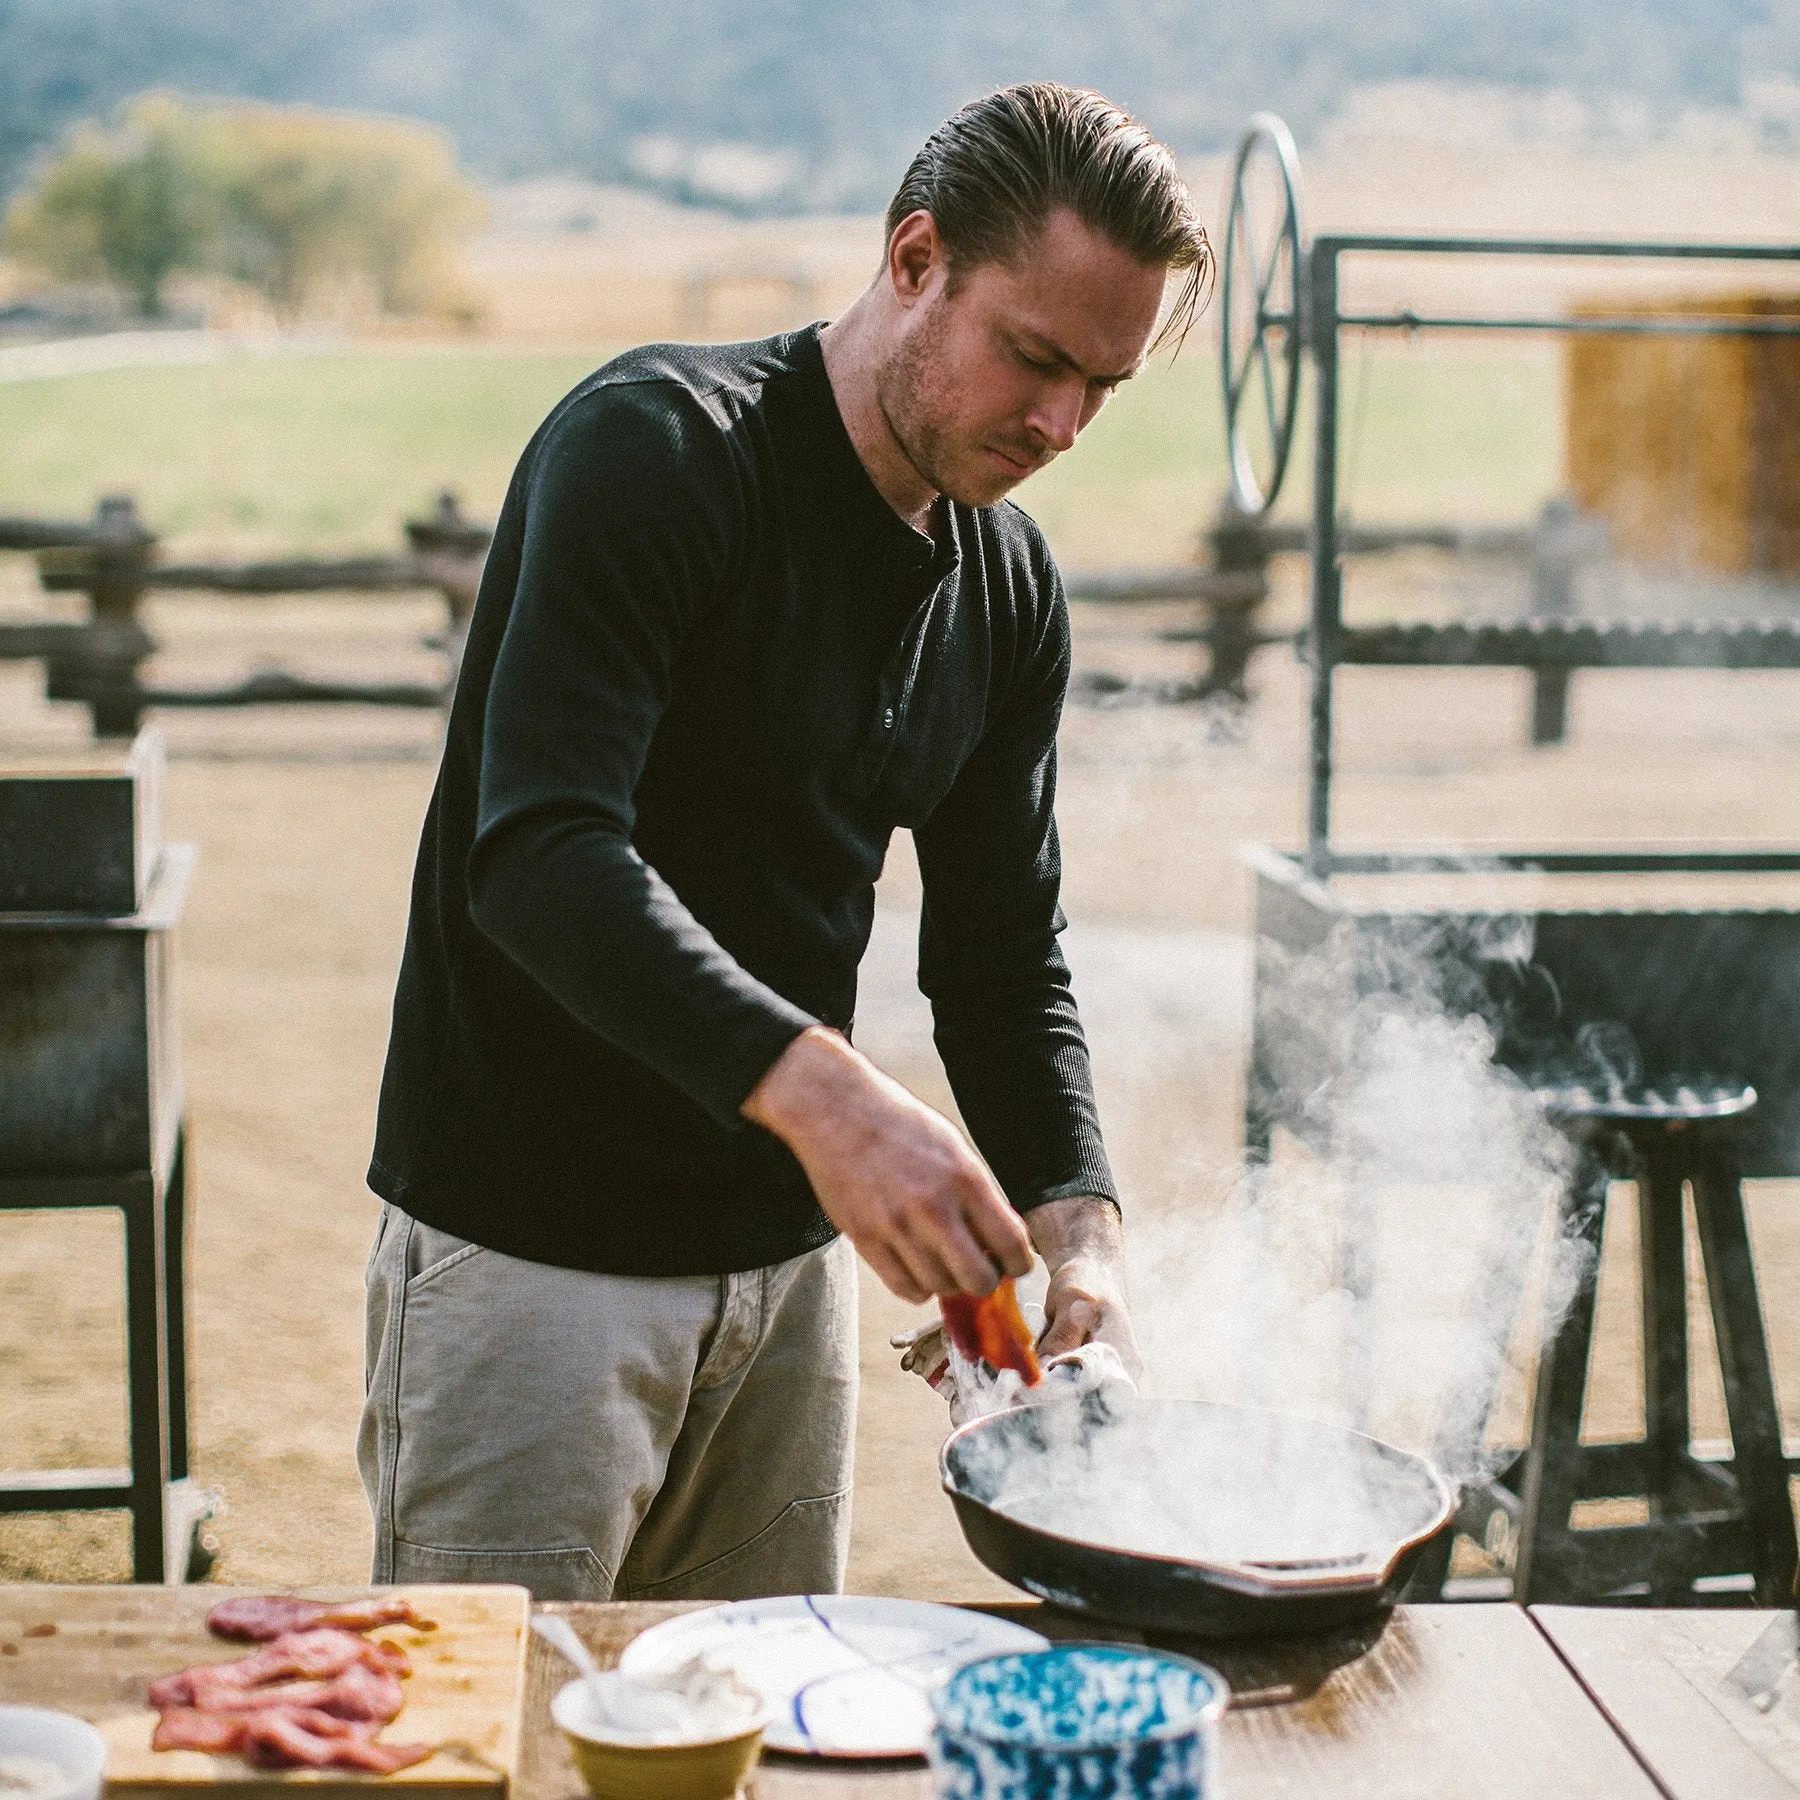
(307, 822)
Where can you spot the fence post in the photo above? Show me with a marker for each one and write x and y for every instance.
(102, 668)
(1239, 546)
(454, 550)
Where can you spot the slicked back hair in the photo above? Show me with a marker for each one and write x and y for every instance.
(992, 174)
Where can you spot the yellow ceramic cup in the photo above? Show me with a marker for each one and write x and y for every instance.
(710, 1770)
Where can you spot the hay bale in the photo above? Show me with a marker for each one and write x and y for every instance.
(1689, 447)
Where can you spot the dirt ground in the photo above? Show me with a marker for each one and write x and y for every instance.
(306, 827)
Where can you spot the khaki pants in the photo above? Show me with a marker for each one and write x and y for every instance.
(600, 1436)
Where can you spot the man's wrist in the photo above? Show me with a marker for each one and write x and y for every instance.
(1082, 1225)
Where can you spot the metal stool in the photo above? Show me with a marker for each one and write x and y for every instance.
(91, 1102)
(1707, 1519)
(167, 1513)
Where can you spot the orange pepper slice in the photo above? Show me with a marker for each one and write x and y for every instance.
(990, 1328)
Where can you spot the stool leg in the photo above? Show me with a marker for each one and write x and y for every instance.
(1259, 1133)
(1259, 1114)
(1756, 1450)
(1552, 1460)
(1662, 1268)
(175, 1307)
(146, 1352)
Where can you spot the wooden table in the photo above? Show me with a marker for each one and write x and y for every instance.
(1662, 1678)
(1447, 1703)
(94, 1650)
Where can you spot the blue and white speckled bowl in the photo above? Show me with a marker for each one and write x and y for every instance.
(1078, 1722)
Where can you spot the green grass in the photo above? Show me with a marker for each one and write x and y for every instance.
(308, 453)
(332, 451)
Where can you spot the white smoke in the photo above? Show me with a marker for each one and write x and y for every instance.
(1373, 1275)
(1377, 1270)
(1395, 1264)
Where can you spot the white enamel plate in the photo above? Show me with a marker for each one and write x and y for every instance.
(843, 1675)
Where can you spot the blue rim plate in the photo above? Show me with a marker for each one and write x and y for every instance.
(845, 1675)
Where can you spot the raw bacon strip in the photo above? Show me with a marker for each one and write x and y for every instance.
(318, 1655)
(366, 1615)
(358, 1694)
(990, 1328)
(255, 1619)
(301, 1655)
(312, 1697)
(380, 1759)
(303, 1738)
(227, 1698)
(181, 1728)
(361, 1695)
(172, 1690)
(298, 1668)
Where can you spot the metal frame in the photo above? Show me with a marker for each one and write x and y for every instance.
(1322, 322)
(1296, 904)
(155, 1487)
(95, 1114)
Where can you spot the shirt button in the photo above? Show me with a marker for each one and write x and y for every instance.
(887, 720)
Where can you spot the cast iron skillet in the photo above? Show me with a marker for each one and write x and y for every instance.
(1394, 1504)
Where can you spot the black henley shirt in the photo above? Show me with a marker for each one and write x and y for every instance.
(709, 672)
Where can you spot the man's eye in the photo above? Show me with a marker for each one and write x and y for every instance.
(1034, 362)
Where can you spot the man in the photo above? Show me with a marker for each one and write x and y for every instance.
(749, 609)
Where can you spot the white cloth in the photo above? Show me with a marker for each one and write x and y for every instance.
(974, 1390)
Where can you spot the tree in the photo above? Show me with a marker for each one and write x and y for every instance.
(312, 201)
(132, 204)
(299, 204)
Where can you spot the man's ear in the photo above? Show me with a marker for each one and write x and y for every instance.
(915, 254)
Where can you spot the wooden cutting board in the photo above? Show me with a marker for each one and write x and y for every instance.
(93, 1650)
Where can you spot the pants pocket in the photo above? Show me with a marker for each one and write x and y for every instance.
(803, 1550)
(575, 1573)
(431, 1253)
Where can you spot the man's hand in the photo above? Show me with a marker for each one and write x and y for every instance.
(897, 1178)
(1083, 1246)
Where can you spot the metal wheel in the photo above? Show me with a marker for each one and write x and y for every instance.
(1259, 314)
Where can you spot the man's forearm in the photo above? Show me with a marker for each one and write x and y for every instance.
(1084, 1225)
(894, 1175)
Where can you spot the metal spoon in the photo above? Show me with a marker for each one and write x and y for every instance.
(559, 1634)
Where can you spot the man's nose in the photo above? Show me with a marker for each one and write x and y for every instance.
(1056, 418)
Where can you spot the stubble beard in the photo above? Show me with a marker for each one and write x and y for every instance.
(911, 393)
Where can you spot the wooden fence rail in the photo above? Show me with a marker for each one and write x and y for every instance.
(112, 559)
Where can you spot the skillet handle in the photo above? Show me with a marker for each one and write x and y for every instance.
(1338, 1575)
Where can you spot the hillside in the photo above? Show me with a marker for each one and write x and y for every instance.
(815, 104)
